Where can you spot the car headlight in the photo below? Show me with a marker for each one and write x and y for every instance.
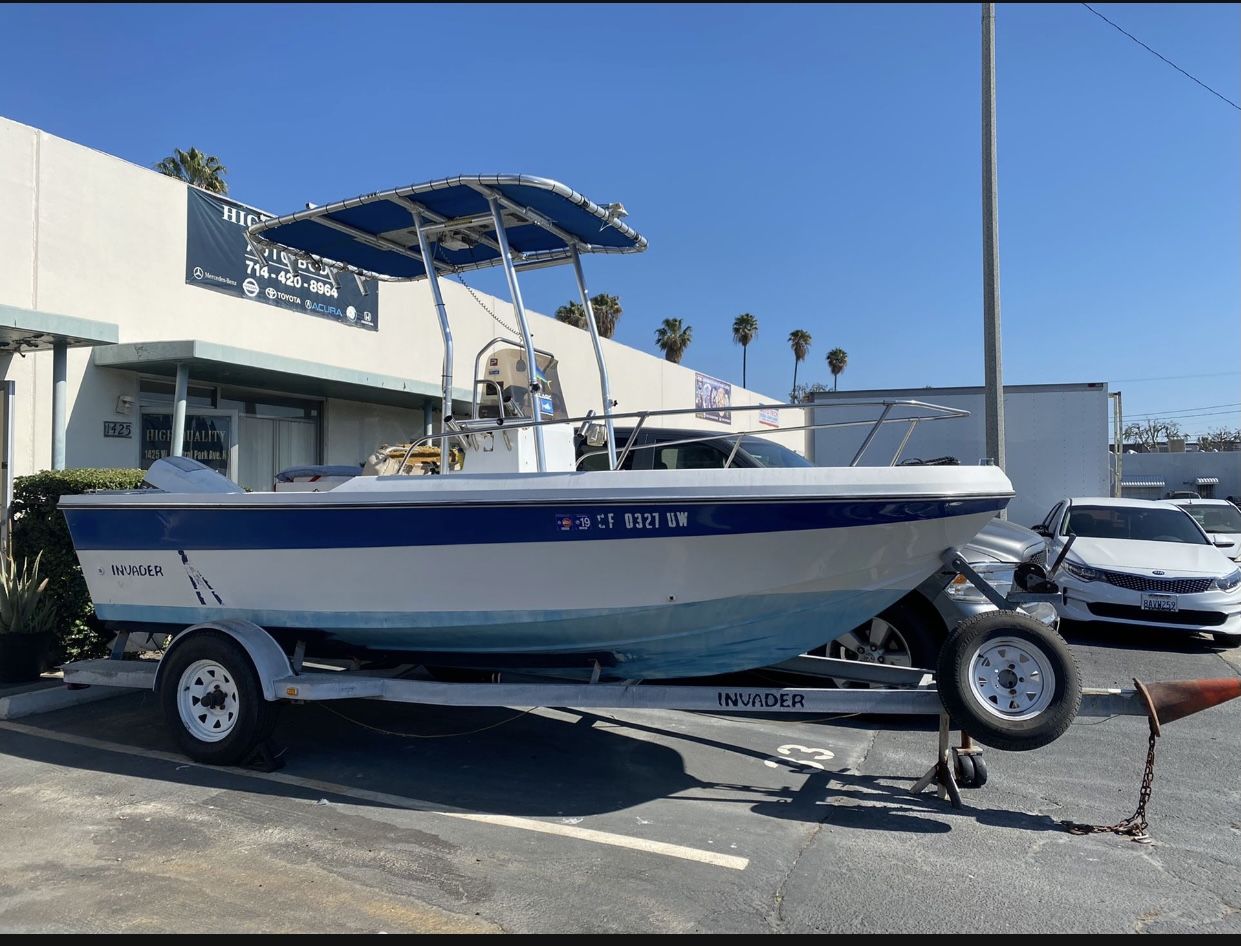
(1229, 581)
(997, 574)
(1082, 572)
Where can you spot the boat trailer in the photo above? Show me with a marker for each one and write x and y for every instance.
(225, 678)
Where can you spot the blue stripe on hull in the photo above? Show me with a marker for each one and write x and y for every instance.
(140, 528)
(696, 639)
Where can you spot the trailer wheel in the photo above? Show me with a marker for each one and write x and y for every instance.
(212, 700)
(1009, 681)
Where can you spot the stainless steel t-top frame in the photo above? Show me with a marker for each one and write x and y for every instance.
(437, 230)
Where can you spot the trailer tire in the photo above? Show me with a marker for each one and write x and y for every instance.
(1009, 681)
(212, 700)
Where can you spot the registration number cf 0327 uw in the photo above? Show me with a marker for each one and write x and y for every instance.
(1152, 602)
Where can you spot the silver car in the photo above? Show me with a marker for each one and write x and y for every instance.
(911, 632)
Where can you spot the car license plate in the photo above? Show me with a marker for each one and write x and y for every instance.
(1159, 603)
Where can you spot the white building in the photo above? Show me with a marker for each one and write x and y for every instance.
(101, 300)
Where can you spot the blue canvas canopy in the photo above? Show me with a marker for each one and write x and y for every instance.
(375, 236)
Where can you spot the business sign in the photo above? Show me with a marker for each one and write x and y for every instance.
(769, 416)
(218, 257)
(713, 398)
(208, 439)
(118, 428)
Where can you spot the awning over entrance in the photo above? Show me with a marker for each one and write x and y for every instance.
(25, 330)
(1143, 484)
(1207, 481)
(240, 367)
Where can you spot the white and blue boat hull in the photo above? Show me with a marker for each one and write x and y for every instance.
(649, 575)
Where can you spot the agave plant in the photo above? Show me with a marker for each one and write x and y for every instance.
(23, 609)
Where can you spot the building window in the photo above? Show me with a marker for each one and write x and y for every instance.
(275, 432)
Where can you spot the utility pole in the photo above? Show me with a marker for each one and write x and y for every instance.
(993, 368)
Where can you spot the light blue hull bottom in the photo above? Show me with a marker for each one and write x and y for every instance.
(683, 640)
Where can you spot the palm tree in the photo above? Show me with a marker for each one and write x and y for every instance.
(194, 167)
(799, 341)
(673, 338)
(745, 327)
(837, 359)
(607, 311)
(572, 313)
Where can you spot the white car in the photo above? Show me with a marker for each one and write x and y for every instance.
(1220, 519)
(1140, 562)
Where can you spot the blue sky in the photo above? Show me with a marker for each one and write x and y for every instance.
(817, 166)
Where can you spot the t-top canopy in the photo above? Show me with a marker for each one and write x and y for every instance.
(374, 235)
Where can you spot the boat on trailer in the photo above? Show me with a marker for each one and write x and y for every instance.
(507, 557)
(517, 559)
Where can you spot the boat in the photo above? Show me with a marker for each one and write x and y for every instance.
(503, 554)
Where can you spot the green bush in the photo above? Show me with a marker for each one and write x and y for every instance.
(39, 527)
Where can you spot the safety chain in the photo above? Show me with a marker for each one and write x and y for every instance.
(483, 305)
(1135, 825)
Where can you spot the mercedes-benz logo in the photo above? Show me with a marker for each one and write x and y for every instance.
(198, 272)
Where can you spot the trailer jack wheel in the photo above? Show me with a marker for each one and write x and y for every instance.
(1009, 681)
(964, 765)
(970, 766)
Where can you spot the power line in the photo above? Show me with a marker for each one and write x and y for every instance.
(1186, 410)
(1164, 58)
(1174, 377)
(1182, 416)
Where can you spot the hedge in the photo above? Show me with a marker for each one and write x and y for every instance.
(37, 525)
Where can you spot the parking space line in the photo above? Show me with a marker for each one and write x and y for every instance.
(713, 858)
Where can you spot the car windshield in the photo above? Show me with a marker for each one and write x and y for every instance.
(1224, 518)
(1132, 522)
(769, 453)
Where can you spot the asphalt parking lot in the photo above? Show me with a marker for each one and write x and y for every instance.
(489, 820)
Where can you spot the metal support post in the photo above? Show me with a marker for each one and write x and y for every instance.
(1120, 425)
(604, 386)
(179, 396)
(60, 372)
(428, 261)
(941, 773)
(532, 370)
(9, 390)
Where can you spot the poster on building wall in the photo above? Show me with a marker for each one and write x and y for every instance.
(218, 257)
(713, 398)
(208, 439)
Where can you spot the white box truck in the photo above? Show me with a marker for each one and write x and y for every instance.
(1056, 437)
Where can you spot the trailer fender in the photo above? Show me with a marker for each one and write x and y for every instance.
(269, 660)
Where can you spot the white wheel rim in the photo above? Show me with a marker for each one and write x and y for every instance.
(1012, 679)
(207, 700)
